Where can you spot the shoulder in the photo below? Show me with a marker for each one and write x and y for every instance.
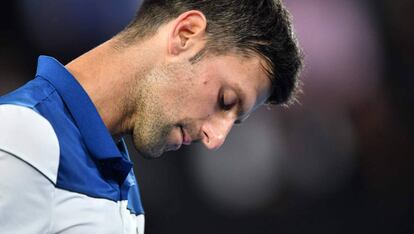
(27, 135)
(30, 95)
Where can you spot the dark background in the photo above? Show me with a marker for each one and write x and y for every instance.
(341, 161)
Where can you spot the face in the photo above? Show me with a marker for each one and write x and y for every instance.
(182, 103)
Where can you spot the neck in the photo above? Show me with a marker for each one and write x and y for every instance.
(108, 74)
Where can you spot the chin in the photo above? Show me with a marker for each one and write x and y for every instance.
(149, 148)
(150, 154)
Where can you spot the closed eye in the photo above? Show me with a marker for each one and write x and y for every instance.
(225, 106)
(228, 99)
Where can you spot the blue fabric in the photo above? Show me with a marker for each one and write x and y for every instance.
(90, 161)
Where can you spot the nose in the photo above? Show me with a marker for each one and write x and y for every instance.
(215, 132)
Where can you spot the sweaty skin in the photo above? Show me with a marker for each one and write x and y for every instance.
(152, 91)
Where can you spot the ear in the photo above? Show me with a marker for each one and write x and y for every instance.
(187, 34)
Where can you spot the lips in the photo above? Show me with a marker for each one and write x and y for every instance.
(182, 138)
(185, 137)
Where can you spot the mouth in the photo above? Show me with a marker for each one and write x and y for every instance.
(186, 140)
(180, 140)
(183, 138)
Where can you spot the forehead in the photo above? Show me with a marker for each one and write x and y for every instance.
(248, 72)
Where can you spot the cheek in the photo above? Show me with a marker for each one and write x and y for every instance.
(195, 97)
(202, 102)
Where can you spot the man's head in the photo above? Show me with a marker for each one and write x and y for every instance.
(219, 60)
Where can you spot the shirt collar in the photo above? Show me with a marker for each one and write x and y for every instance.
(91, 126)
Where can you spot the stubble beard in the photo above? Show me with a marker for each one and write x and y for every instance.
(150, 136)
(157, 110)
(152, 124)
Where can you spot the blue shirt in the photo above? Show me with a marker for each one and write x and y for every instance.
(90, 163)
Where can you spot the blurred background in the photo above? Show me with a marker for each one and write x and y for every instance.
(341, 161)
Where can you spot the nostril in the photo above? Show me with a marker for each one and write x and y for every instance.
(206, 137)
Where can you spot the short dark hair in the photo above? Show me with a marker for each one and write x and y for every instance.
(249, 27)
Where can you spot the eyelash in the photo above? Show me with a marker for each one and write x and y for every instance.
(228, 107)
(224, 106)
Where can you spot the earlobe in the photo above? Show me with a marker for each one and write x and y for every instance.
(187, 33)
